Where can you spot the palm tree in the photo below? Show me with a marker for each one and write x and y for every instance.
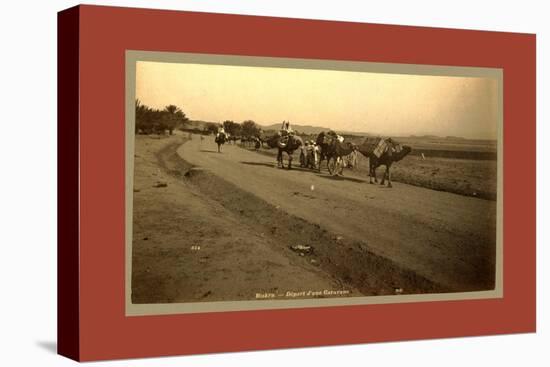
(175, 117)
(172, 109)
(142, 116)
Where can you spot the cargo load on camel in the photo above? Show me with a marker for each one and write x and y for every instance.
(379, 146)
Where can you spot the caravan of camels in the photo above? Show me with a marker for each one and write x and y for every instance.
(328, 146)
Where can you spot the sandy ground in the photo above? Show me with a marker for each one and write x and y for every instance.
(222, 227)
(476, 178)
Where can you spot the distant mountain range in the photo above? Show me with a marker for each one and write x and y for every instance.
(310, 130)
(313, 130)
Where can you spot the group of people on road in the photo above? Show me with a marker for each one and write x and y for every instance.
(310, 150)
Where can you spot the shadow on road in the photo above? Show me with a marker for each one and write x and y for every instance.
(342, 178)
(208, 151)
(274, 165)
(259, 164)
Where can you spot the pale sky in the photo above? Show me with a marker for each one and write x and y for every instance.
(385, 104)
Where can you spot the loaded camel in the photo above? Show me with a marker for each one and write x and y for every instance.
(287, 144)
(333, 149)
(382, 152)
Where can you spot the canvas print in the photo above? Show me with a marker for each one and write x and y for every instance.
(261, 183)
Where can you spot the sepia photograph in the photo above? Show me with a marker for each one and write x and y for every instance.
(258, 183)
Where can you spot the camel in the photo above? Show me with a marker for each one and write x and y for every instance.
(220, 139)
(339, 150)
(333, 150)
(287, 144)
(392, 152)
(324, 148)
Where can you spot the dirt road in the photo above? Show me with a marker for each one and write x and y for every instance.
(188, 247)
(444, 238)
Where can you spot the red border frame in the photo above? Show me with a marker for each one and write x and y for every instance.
(92, 44)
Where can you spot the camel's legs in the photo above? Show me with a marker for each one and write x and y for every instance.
(303, 159)
(289, 161)
(374, 174)
(386, 175)
(326, 159)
